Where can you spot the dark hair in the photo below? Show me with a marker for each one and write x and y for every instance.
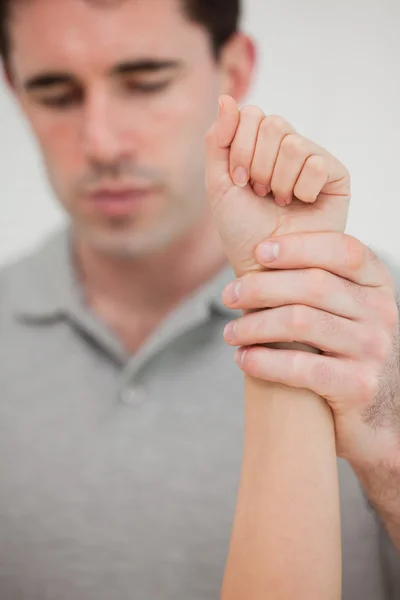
(219, 17)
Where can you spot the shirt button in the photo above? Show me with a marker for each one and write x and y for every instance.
(133, 396)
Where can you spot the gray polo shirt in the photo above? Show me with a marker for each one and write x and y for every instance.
(119, 474)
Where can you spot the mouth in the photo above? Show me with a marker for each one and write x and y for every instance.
(119, 201)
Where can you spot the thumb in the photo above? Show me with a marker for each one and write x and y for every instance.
(218, 141)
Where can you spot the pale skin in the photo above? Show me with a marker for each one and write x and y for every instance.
(106, 123)
(290, 184)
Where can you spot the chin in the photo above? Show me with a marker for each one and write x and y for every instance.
(128, 244)
(127, 239)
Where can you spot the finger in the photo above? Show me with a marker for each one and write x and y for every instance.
(312, 179)
(312, 327)
(227, 121)
(218, 140)
(338, 253)
(271, 132)
(292, 156)
(342, 382)
(310, 287)
(336, 171)
(243, 144)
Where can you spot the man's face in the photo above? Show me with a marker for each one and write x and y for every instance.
(119, 95)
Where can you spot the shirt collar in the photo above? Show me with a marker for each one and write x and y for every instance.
(46, 287)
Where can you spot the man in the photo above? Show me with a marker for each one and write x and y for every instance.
(121, 407)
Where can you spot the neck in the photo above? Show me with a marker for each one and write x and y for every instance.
(143, 290)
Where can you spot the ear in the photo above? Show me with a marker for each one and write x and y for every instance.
(237, 62)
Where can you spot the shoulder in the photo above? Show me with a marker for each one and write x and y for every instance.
(14, 276)
(23, 280)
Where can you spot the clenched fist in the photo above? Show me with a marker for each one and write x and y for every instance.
(264, 179)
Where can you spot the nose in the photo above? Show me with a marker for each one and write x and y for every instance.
(103, 142)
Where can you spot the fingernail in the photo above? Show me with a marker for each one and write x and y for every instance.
(268, 252)
(221, 106)
(259, 189)
(230, 332)
(240, 176)
(239, 356)
(232, 292)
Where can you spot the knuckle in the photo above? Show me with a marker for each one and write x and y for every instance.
(299, 320)
(293, 145)
(379, 345)
(355, 253)
(317, 164)
(252, 111)
(368, 385)
(273, 124)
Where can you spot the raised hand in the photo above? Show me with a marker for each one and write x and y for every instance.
(264, 179)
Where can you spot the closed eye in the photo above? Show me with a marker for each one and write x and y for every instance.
(147, 87)
(62, 101)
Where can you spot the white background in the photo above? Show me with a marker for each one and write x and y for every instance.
(331, 67)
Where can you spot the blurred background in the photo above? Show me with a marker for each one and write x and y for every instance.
(330, 67)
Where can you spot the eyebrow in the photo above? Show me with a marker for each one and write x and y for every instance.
(48, 80)
(146, 65)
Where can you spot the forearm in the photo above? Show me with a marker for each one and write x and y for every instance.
(286, 536)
